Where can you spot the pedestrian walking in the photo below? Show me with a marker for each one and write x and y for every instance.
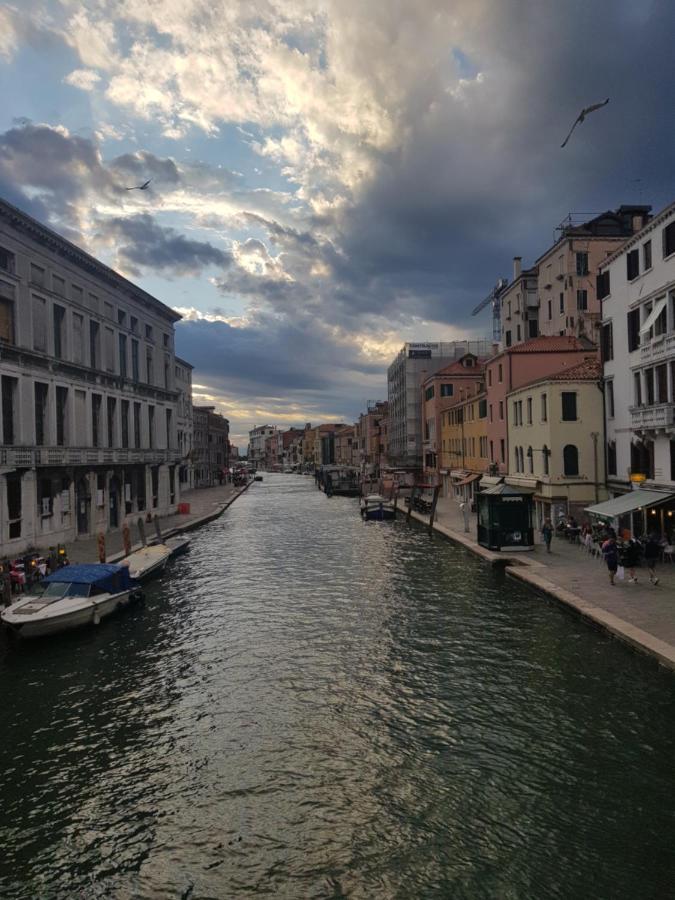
(629, 556)
(547, 534)
(611, 557)
(652, 553)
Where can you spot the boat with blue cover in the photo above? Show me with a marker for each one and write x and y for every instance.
(70, 597)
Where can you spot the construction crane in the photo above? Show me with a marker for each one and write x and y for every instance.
(494, 297)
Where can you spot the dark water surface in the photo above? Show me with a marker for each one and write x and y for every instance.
(311, 706)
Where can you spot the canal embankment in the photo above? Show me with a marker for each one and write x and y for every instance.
(641, 615)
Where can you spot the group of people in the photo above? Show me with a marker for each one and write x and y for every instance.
(626, 554)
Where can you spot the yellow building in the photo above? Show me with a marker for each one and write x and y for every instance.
(464, 446)
(556, 442)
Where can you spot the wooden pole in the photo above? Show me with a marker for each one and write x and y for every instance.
(437, 491)
(100, 542)
(413, 494)
(158, 530)
(126, 538)
(141, 530)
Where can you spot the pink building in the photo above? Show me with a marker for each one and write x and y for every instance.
(441, 390)
(520, 365)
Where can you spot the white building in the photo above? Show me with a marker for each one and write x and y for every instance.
(185, 424)
(414, 363)
(637, 287)
(88, 402)
(256, 443)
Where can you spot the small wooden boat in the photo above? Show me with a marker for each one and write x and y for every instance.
(147, 562)
(375, 506)
(72, 596)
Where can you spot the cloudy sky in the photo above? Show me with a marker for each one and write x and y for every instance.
(329, 178)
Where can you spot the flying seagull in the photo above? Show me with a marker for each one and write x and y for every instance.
(582, 115)
(140, 187)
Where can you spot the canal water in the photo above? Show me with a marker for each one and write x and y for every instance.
(310, 706)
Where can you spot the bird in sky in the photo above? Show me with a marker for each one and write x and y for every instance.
(582, 115)
(139, 187)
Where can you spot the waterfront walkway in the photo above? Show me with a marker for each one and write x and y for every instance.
(641, 614)
(205, 504)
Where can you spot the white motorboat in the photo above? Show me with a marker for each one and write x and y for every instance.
(375, 506)
(147, 562)
(72, 596)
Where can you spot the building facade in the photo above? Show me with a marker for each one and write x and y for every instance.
(256, 444)
(211, 446)
(414, 363)
(637, 285)
(89, 405)
(184, 424)
(556, 436)
(464, 443)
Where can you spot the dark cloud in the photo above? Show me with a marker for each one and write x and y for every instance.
(142, 242)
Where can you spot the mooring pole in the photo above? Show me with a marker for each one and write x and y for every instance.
(413, 494)
(437, 491)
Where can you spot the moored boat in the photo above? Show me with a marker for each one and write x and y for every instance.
(147, 562)
(71, 597)
(177, 545)
(375, 506)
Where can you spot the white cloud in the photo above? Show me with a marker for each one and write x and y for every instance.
(84, 79)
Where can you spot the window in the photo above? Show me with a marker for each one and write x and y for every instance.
(519, 334)
(649, 386)
(502, 449)
(112, 412)
(9, 388)
(647, 255)
(41, 392)
(80, 418)
(482, 409)
(632, 264)
(611, 457)
(550, 311)
(609, 398)
(501, 410)
(6, 312)
(121, 318)
(582, 263)
(428, 394)
(633, 319)
(672, 460)
(570, 460)
(490, 412)
(529, 410)
(637, 389)
(148, 332)
(561, 302)
(500, 373)
(133, 324)
(37, 275)
(530, 460)
(545, 454)
(39, 324)
(93, 303)
(61, 416)
(569, 406)
(96, 401)
(668, 234)
(544, 408)
(148, 365)
(94, 344)
(492, 452)
(58, 285)
(602, 285)
(661, 323)
(166, 340)
(134, 361)
(125, 423)
(662, 384)
(508, 339)
(447, 390)
(169, 436)
(59, 315)
(137, 425)
(607, 342)
(151, 426)
(532, 328)
(123, 354)
(13, 490)
(582, 300)
(7, 261)
(489, 377)
(108, 310)
(154, 473)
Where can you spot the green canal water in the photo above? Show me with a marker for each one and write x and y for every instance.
(310, 706)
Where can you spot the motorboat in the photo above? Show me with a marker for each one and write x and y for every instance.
(70, 597)
(257, 478)
(147, 562)
(177, 545)
(375, 506)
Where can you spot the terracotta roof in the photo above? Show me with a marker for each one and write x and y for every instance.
(456, 368)
(551, 344)
(588, 370)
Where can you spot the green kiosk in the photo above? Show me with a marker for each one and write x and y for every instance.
(505, 516)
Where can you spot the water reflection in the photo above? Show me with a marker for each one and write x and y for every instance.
(312, 706)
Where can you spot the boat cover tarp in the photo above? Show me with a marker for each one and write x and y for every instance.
(106, 576)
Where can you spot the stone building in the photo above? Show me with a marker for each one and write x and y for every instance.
(211, 446)
(88, 398)
(256, 443)
(184, 424)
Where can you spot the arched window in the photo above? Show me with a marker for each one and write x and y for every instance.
(571, 460)
(545, 453)
(530, 460)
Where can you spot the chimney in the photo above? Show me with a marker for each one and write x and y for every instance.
(517, 260)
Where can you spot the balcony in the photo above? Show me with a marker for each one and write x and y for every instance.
(652, 418)
(658, 349)
(30, 457)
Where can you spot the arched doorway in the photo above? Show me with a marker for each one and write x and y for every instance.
(83, 503)
(114, 502)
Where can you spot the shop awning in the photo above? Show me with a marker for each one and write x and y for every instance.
(626, 503)
(468, 479)
(490, 480)
(459, 473)
(659, 306)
